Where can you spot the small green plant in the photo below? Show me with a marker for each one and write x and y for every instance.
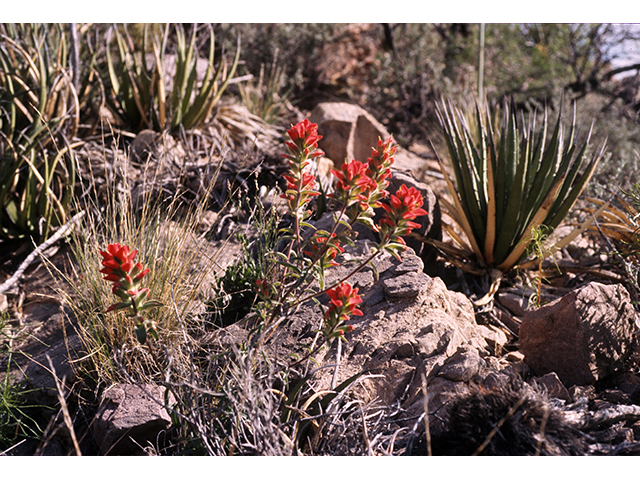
(509, 182)
(140, 89)
(537, 248)
(15, 422)
(266, 98)
(235, 291)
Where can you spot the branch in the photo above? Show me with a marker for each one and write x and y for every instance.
(61, 232)
(605, 417)
(615, 71)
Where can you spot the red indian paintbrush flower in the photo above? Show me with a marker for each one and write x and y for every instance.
(380, 162)
(404, 206)
(118, 268)
(353, 183)
(343, 303)
(304, 139)
(118, 264)
(300, 183)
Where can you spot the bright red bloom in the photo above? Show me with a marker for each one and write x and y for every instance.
(304, 139)
(381, 160)
(405, 204)
(353, 183)
(344, 299)
(319, 242)
(117, 259)
(118, 267)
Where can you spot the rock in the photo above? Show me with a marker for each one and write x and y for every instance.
(583, 336)
(161, 147)
(552, 385)
(495, 337)
(129, 418)
(462, 366)
(411, 324)
(516, 304)
(349, 132)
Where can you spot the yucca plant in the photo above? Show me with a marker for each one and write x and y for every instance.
(142, 94)
(38, 113)
(508, 183)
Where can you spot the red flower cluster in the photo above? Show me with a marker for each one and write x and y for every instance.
(304, 140)
(119, 268)
(343, 301)
(380, 162)
(404, 206)
(300, 184)
(126, 277)
(353, 183)
(322, 242)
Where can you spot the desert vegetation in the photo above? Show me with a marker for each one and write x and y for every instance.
(167, 181)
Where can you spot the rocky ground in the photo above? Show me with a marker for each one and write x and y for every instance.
(503, 379)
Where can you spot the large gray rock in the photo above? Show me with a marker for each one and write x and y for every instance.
(130, 418)
(583, 336)
(412, 323)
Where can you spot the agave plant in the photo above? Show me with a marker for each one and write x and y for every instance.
(508, 183)
(148, 95)
(38, 113)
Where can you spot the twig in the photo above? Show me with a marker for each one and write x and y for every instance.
(427, 430)
(334, 379)
(12, 447)
(62, 231)
(608, 416)
(65, 410)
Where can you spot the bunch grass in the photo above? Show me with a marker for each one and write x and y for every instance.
(164, 232)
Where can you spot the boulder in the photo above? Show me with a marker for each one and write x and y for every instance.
(130, 417)
(349, 132)
(583, 336)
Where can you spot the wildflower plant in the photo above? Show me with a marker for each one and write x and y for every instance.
(298, 272)
(126, 278)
